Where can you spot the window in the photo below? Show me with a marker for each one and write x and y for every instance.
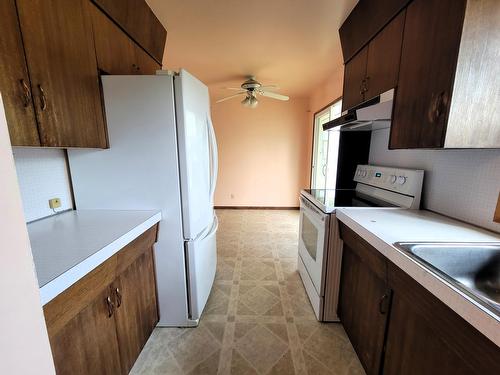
(325, 149)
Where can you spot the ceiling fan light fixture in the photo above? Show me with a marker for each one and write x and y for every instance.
(250, 101)
(250, 89)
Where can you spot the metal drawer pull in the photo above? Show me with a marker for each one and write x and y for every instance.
(118, 297)
(381, 304)
(362, 87)
(111, 307)
(43, 100)
(26, 93)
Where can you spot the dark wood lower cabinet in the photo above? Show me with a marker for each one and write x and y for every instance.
(398, 327)
(136, 308)
(426, 337)
(101, 323)
(87, 344)
(363, 301)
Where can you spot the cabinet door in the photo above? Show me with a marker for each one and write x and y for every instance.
(365, 21)
(61, 60)
(145, 63)
(87, 344)
(116, 52)
(137, 313)
(428, 61)
(114, 49)
(354, 75)
(362, 293)
(15, 86)
(427, 337)
(139, 21)
(384, 53)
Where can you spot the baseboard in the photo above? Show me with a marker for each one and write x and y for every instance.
(256, 208)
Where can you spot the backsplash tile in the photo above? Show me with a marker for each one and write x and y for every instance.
(42, 175)
(463, 184)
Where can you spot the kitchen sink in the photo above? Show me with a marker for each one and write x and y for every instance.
(474, 268)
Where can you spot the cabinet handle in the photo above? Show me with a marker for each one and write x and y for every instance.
(118, 297)
(136, 67)
(362, 87)
(366, 80)
(43, 99)
(111, 306)
(381, 305)
(26, 93)
(436, 108)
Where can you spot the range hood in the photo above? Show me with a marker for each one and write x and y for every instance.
(373, 114)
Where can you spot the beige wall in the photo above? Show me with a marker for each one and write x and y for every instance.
(328, 91)
(263, 152)
(24, 344)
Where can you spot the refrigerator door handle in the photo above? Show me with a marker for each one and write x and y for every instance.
(214, 227)
(215, 155)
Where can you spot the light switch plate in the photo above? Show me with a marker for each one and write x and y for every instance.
(496, 217)
(54, 203)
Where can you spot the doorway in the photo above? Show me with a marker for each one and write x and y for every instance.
(325, 148)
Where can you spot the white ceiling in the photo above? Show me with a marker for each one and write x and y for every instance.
(291, 43)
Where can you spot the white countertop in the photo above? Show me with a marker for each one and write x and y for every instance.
(69, 245)
(382, 227)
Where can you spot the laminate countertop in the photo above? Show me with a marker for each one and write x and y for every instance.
(69, 245)
(382, 227)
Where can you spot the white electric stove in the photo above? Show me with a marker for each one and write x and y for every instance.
(320, 247)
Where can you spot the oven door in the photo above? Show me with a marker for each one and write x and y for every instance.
(313, 239)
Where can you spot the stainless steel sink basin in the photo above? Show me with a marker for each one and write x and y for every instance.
(473, 268)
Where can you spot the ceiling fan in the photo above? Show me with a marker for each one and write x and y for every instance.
(251, 88)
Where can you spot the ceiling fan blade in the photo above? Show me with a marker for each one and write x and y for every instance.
(273, 95)
(231, 96)
(266, 87)
(233, 88)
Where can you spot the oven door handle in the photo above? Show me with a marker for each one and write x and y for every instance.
(306, 205)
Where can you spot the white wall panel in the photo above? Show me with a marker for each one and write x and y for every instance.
(42, 175)
(463, 184)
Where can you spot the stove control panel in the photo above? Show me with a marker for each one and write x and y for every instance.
(399, 180)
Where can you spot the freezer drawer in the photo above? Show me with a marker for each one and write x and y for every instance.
(201, 256)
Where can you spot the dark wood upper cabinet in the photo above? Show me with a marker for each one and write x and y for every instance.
(15, 86)
(428, 61)
(61, 60)
(364, 22)
(354, 79)
(145, 64)
(375, 68)
(114, 49)
(116, 52)
(137, 311)
(133, 16)
(384, 53)
(364, 299)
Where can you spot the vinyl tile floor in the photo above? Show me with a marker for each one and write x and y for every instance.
(258, 319)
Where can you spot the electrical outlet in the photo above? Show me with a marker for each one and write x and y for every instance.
(54, 203)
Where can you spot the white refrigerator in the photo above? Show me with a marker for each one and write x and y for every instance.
(162, 155)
